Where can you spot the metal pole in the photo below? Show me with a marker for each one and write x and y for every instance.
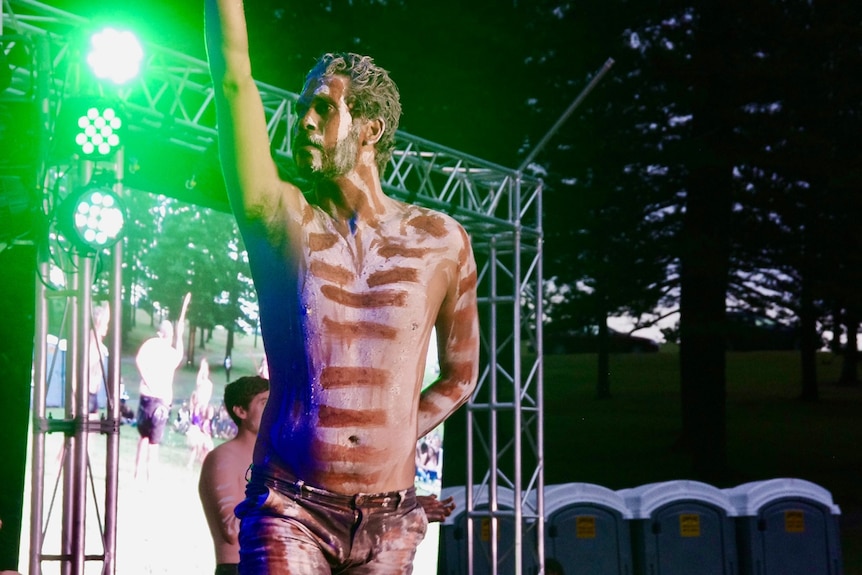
(81, 455)
(68, 527)
(540, 398)
(40, 352)
(112, 422)
(517, 430)
(577, 102)
(37, 475)
(493, 463)
(468, 495)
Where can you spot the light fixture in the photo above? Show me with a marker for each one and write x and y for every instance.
(90, 128)
(99, 131)
(115, 55)
(92, 218)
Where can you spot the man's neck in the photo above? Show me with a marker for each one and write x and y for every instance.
(355, 197)
(245, 436)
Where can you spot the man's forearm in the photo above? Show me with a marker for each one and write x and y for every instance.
(437, 404)
(226, 39)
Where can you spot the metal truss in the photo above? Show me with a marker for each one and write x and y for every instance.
(172, 103)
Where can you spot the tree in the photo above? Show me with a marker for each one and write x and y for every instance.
(198, 250)
(610, 214)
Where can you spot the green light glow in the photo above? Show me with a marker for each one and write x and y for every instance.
(115, 55)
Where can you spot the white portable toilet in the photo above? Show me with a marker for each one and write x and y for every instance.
(680, 528)
(786, 527)
(453, 535)
(587, 529)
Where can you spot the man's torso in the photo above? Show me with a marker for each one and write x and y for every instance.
(346, 372)
(157, 361)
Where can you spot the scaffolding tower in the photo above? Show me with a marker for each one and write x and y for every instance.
(171, 103)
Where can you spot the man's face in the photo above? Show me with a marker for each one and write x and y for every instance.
(325, 137)
(255, 410)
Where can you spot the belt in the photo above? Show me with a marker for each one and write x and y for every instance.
(301, 490)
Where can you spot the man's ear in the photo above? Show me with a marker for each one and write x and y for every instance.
(240, 411)
(373, 131)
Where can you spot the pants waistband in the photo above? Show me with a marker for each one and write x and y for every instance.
(297, 488)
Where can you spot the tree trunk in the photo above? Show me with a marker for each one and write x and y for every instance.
(705, 256)
(603, 385)
(849, 370)
(809, 338)
(190, 347)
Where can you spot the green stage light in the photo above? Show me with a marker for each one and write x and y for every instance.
(115, 55)
(98, 131)
(92, 218)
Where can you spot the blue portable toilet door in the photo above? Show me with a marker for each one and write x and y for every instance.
(482, 544)
(690, 539)
(795, 538)
(586, 540)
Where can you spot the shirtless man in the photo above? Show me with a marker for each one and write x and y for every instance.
(157, 360)
(350, 284)
(223, 474)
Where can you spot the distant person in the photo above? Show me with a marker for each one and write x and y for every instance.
(263, 368)
(98, 353)
(157, 360)
(202, 393)
(225, 470)
(199, 435)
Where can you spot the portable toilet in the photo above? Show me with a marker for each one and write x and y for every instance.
(587, 529)
(786, 527)
(681, 528)
(453, 535)
(55, 372)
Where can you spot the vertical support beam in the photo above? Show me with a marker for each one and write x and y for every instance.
(40, 386)
(493, 401)
(112, 422)
(538, 279)
(80, 418)
(518, 392)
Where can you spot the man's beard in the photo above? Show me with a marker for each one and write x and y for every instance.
(333, 162)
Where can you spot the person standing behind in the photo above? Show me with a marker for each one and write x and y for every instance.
(223, 473)
(199, 435)
(225, 469)
(98, 353)
(350, 284)
(157, 360)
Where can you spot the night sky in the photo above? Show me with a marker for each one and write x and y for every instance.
(460, 81)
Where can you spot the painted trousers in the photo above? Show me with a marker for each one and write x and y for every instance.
(288, 527)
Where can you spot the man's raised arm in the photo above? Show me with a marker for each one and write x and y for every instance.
(253, 184)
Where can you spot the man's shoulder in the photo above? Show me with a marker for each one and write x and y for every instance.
(230, 450)
(433, 222)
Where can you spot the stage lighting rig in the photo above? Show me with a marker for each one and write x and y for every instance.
(89, 128)
(92, 218)
(115, 55)
(99, 131)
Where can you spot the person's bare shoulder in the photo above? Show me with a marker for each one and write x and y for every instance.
(231, 458)
(435, 225)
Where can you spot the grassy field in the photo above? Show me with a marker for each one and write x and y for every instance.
(628, 440)
(624, 441)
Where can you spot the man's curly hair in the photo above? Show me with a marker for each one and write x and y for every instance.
(372, 94)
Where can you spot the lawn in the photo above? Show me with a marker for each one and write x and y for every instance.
(628, 440)
(624, 441)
